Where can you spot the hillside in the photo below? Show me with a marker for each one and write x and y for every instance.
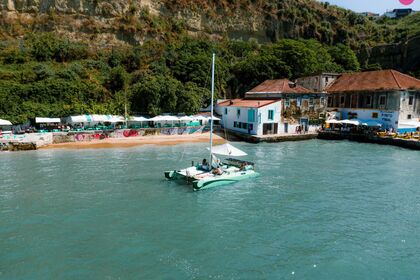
(116, 22)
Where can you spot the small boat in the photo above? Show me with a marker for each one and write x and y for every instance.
(228, 171)
(218, 172)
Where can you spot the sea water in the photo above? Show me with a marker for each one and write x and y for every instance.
(319, 210)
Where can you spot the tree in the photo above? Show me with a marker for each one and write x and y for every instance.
(344, 56)
(190, 99)
(117, 79)
(145, 96)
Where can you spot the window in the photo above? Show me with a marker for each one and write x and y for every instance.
(311, 101)
(251, 115)
(374, 115)
(368, 100)
(238, 113)
(287, 102)
(408, 117)
(353, 101)
(382, 100)
(411, 100)
(225, 111)
(330, 101)
(250, 126)
(244, 125)
(342, 100)
(270, 115)
(235, 124)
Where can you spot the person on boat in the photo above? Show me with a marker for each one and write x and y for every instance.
(243, 166)
(217, 171)
(205, 165)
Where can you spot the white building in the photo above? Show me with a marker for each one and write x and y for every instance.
(251, 116)
(273, 107)
(388, 97)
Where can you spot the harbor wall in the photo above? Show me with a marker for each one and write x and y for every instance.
(366, 138)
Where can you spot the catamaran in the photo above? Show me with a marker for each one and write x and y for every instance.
(217, 173)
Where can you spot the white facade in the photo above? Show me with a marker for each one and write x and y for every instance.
(251, 120)
(389, 119)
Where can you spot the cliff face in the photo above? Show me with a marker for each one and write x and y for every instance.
(134, 21)
(403, 56)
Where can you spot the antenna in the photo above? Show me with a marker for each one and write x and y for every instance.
(211, 117)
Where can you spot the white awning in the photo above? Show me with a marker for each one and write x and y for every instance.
(227, 150)
(5, 122)
(333, 121)
(371, 123)
(409, 123)
(214, 118)
(47, 120)
(352, 122)
(138, 119)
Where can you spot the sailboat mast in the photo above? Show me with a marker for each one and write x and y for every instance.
(211, 117)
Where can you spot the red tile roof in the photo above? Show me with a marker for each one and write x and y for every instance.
(278, 86)
(373, 81)
(250, 103)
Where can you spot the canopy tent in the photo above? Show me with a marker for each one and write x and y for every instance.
(80, 119)
(200, 118)
(5, 122)
(138, 119)
(157, 119)
(186, 119)
(170, 118)
(47, 120)
(164, 119)
(95, 118)
(107, 118)
(227, 150)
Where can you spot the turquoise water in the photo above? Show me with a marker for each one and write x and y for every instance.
(319, 210)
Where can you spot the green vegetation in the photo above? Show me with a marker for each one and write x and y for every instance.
(44, 75)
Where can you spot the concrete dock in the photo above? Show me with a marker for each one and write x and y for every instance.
(413, 144)
(272, 138)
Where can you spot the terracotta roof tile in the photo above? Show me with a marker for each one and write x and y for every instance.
(250, 103)
(373, 81)
(278, 86)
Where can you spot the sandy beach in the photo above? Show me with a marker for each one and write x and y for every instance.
(138, 141)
